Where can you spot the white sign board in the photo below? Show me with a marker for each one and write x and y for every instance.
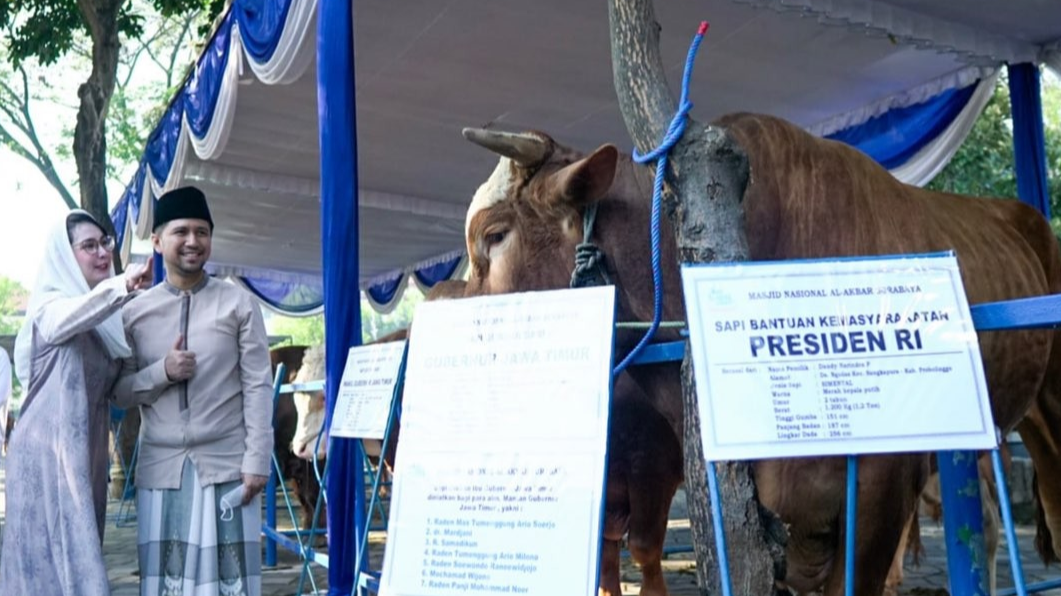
(367, 389)
(501, 459)
(835, 357)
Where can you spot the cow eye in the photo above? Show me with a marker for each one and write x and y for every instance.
(494, 238)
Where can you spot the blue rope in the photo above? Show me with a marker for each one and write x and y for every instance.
(659, 155)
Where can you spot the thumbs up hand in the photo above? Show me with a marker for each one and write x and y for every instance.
(180, 363)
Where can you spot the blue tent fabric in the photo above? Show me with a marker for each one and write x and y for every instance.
(290, 298)
(260, 24)
(339, 223)
(1029, 145)
(161, 147)
(119, 218)
(204, 87)
(431, 275)
(385, 292)
(892, 138)
(134, 192)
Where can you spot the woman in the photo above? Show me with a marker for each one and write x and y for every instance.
(67, 356)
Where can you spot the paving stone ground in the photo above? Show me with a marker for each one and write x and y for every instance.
(929, 579)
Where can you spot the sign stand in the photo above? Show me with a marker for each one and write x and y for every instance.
(830, 357)
(503, 447)
(367, 579)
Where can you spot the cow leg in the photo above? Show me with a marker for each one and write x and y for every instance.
(610, 584)
(895, 574)
(989, 506)
(885, 506)
(1039, 431)
(650, 503)
(932, 499)
(616, 519)
(302, 490)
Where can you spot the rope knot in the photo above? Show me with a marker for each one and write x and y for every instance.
(589, 267)
(674, 134)
(589, 258)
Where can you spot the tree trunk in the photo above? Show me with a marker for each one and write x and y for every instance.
(706, 183)
(90, 134)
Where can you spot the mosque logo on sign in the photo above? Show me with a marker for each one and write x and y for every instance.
(716, 296)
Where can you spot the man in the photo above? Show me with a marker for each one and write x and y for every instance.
(200, 373)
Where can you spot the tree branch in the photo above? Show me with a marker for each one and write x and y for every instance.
(21, 117)
(143, 46)
(28, 118)
(185, 29)
(15, 118)
(645, 98)
(16, 147)
(706, 182)
(158, 62)
(25, 85)
(7, 89)
(43, 164)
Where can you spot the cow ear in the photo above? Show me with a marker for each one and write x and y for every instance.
(588, 179)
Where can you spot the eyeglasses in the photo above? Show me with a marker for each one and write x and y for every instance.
(92, 245)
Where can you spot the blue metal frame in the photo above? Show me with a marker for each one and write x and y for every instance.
(963, 519)
(392, 417)
(1007, 518)
(849, 529)
(963, 523)
(274, 537)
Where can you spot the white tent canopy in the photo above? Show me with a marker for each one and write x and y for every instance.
(425, 69)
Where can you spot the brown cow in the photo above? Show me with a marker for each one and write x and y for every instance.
(286, 421)
(806, 198)
(644, 471)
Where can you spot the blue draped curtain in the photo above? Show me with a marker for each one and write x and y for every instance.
(1029, 145)
(386, 291)
(260, 24)
(897, 135)
(432, 274)
(339, 245)
(285, 297)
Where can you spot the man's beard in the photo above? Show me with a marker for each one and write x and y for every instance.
(189, 270)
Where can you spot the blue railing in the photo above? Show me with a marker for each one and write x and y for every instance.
(956, 469)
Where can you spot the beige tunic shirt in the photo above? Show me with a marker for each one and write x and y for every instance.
(221, 418)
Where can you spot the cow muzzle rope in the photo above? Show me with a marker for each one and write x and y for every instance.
(590, 269)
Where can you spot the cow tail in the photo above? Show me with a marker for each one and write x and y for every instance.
(1044, 540)
(917, 548)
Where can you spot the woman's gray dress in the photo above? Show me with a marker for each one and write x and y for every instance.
(57, 466)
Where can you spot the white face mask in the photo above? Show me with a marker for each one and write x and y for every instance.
(231, 501)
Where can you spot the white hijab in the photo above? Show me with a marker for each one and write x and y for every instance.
(59, 276)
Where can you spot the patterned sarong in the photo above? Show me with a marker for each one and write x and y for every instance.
(186, 546)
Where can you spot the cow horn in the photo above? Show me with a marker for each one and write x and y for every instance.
(526, 149)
